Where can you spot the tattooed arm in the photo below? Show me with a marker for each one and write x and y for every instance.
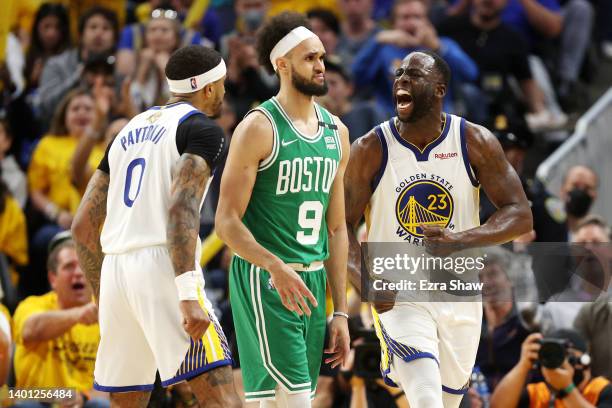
(86, 228)
(188, 183)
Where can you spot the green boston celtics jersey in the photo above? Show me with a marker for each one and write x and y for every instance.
(290, 197)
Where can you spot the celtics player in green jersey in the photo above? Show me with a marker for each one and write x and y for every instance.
(281, 210)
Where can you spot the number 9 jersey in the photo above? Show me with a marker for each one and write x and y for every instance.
(286, 213)
(140, 161)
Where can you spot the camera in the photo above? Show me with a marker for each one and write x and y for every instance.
(553, 352)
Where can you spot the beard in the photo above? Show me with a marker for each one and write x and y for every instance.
(307, 87)
(422, 105)
(217, 109)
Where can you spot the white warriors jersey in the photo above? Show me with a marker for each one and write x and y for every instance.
(433, 186)
(141, 160)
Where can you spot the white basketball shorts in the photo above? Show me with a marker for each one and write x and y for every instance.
(141, 326)
(447, 332)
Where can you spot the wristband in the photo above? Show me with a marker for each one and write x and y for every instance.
(187, 285)
(342, 314)
(567, 390)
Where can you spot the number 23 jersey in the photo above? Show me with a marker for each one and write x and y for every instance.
(434, 186)
(140, 161)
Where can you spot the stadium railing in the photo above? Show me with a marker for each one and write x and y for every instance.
(589, 145)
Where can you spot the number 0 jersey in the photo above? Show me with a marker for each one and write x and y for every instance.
(140, 161)
(434, 186)
(286, 213)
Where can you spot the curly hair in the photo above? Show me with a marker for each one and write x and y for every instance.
(273, 31)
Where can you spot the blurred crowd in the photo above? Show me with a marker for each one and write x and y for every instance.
(73, 73)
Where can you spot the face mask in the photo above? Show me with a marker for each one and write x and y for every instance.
(579, 202)
(253, 19)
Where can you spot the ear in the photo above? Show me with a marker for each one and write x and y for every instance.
(52, 278)
(440, 90)
(282, 64)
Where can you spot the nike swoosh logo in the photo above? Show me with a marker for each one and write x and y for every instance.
(286, 143)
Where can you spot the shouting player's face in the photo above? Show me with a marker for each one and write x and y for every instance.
(308, 69)
(414, 88)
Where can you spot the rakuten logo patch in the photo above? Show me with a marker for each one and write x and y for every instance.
(443, 156)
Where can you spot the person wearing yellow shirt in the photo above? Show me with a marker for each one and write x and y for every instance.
(51, 190)
(13, 237)
(57, 334)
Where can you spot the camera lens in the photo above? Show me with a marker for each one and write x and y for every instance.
(552, 353)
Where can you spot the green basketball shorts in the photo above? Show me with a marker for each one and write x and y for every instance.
(276, 346)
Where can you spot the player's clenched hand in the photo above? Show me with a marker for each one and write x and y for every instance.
(339, 342)
(292, 289)
(87, 314)
(195, 320)
(439, 241)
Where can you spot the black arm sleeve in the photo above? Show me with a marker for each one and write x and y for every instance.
(103, 166)
(200, 135)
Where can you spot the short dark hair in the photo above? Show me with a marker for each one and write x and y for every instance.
(273, 31)
(52, 261)
(327, 17)
(440, 65)
(190, 61)
(107, 14)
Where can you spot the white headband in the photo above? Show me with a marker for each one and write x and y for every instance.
(289, 42)
(193, 84)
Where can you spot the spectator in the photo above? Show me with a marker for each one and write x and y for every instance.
(50, 36)
(501, 54)
(591, 274)
(247, 82)
(502, 329)
(49, 173)
(132, 36)
(359, 117)
(97, 35)
(57, 334)
(377, 61)
(198, 17)
(569, 386)
(250, 14)
(11, 71)
(357, 28)
(326, 26)
(80, 168)
(594, 321)
(578, 192)
(12, 175)
(13, 236)
(5, 344)
(162, 38)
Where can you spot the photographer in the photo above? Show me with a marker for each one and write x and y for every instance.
(360, 376)
(565, 366)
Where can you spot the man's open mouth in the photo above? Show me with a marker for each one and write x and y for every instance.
(403, 99)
